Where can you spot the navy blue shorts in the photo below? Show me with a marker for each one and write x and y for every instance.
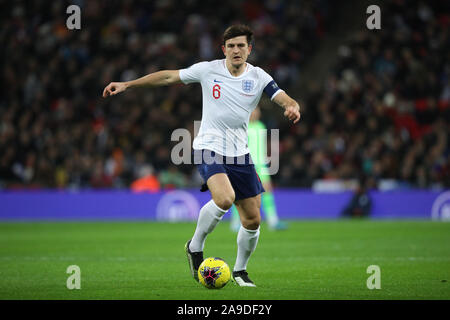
(240, 171)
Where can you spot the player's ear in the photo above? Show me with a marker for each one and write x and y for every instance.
(250, 47)
(223, 49)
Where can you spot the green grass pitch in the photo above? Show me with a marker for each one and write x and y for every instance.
(146, 260)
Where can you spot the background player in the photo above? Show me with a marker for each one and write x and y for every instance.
(258, 150)
(231, 90)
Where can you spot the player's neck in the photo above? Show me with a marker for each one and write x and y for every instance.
(236, 71)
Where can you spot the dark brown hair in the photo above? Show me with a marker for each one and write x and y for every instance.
(236, 31)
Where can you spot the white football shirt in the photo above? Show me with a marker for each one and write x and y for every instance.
(228, 102)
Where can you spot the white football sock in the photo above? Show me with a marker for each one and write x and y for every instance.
(247, 241)
(209, 216)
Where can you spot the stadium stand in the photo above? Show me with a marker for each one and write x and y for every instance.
(382, 112)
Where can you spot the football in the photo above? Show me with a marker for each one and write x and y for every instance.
(214, 273)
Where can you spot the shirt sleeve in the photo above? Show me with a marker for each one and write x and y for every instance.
(194, 73)
(270, 87)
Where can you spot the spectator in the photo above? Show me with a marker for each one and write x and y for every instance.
(147, 181)
(360, 205)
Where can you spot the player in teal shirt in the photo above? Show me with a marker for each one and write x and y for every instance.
(257, 147)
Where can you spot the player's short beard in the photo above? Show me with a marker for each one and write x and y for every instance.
(237, 65)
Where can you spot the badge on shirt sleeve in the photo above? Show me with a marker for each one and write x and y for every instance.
(247, 85)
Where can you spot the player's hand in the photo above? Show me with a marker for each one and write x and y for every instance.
(114, 88)
(293, 112)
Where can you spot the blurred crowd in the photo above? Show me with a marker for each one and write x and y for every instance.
(382, 116)
(57, 131)
(382, 113)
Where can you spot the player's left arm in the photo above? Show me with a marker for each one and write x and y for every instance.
(291, 107)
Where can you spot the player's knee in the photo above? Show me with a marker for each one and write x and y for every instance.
(252, 223)
(225, 201)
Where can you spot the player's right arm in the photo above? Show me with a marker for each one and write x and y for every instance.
(156, 79)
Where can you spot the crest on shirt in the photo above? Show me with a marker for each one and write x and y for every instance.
(247, 85)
